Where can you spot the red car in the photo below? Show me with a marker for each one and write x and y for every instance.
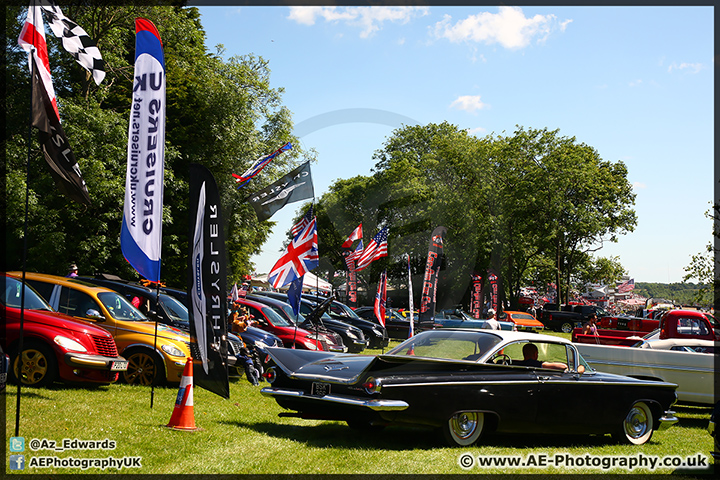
(524, 321)
(270, 321)
(55, 346)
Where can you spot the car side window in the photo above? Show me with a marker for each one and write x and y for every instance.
(44, 289)
(76, 303)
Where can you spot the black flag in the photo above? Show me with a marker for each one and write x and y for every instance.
(432, 270)
(207, 290)
(293, 187)
(56, 148)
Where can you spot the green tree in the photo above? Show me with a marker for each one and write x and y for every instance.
(223, 114)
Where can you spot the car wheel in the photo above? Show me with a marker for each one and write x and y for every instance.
(637, 425)
(36, 366)
(144, 366)
(464, 428)
(566, 327)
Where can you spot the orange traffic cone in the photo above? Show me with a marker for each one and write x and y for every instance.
(183, 417)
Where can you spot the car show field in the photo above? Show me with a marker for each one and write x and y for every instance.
(244, 435)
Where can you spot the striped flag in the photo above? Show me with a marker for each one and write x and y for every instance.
(381, 298)
(259, 164)
(377, 248)
(354, 256)
(304, 221)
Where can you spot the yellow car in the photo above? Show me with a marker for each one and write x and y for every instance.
(132, 331)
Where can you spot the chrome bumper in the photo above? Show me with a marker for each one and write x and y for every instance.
(95, 362)
(376, 405)
(667, 420)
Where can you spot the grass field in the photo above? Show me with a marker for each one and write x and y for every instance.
(244, 435)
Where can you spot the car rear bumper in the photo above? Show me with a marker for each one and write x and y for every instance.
(372, 404)
(95, 362)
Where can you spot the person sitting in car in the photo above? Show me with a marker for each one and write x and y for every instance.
(530, 359)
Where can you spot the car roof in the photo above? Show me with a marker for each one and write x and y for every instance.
(66, 281)
(510, 336)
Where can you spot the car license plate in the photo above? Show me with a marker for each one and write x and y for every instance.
(118, 366)
(320, 389)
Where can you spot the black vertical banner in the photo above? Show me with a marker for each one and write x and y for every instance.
(476, 304)
(207, 291)
(432, 270)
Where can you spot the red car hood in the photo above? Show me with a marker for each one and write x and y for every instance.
(55, 319)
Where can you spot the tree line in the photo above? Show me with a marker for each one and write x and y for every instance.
(534, 205)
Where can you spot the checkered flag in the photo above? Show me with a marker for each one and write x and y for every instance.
(75, 40)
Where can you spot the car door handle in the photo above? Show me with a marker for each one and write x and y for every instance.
(543, 379)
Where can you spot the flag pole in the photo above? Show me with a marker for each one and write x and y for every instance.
(25, 235)
(155, 375)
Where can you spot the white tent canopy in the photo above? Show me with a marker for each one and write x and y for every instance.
(310, 283)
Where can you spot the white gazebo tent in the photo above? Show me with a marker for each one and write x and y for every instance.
(311, 283)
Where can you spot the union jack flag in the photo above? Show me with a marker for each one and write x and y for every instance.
(301, 257)
(376, 248)
(297, 228)
(259, 164)
(352, 257)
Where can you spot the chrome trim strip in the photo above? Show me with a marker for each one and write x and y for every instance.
(375, 405)
(654, 366)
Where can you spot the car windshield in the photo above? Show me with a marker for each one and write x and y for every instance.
(12, 296)
(447, 344)
(177, 311)
(120, 308)
(274, 318)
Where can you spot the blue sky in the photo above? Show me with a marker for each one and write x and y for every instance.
(635, 83)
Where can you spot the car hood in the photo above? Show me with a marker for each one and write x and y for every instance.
(163, 331)
(57, 320)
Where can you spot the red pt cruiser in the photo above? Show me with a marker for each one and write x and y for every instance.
(55, 346)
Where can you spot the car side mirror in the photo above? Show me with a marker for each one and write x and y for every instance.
(95, 315)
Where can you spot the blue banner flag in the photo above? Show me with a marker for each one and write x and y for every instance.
(141, 234)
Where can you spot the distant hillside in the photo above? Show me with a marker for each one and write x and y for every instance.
(680, 293)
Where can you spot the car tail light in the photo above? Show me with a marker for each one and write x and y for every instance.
(270, 375)
(372, 385)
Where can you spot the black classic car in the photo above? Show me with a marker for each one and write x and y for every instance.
(468, 382)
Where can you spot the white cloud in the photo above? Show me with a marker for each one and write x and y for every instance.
(369, 19)
(638, 186)
(509, 27)
(635, 83)
(476, 131)
(469, 103)
(692, 67)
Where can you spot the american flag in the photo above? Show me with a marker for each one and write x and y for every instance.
(301, 257)
(376, 248)
(351, 258)
(381, 298)
(297, 228)
(355, 235)
(626, 286)
(259, 164)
